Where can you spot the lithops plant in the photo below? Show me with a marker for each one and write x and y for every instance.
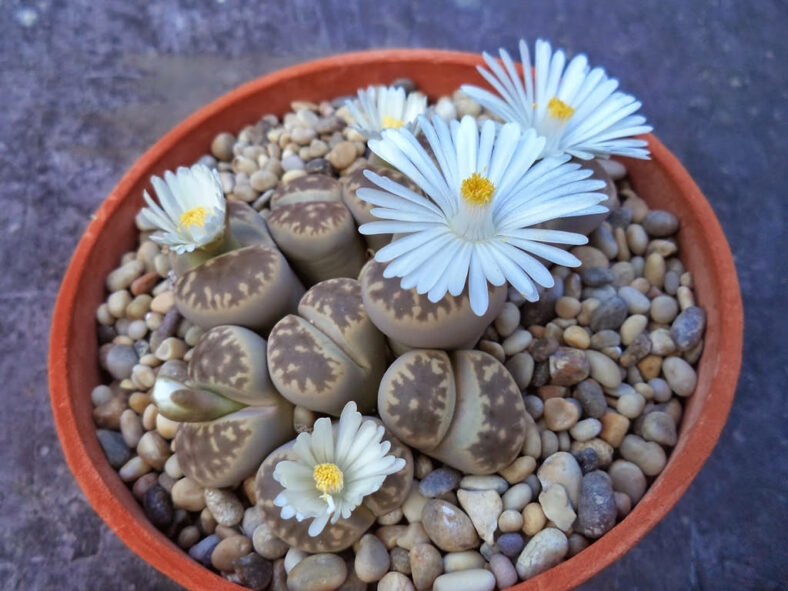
(252, 286)
(330, 353)
(231, 361)
(462, 408)
(344, 533)
(319, 238)
(362, 210)
(304, 189)
(410, 319)
(231, 416)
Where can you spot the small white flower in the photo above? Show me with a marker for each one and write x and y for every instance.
(381, 107)
(576, 109)
(192, 210)
(334, 470)
(475, 223)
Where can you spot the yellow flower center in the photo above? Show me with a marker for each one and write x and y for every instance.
(391, 122)
(559, 109)
(194, 217)
(477, 190)
(328, 478)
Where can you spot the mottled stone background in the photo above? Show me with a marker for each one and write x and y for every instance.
(87, 85)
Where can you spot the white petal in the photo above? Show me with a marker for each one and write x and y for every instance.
(477, 286)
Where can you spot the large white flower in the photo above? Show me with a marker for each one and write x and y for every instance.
(382, 107)
(334, 470)
(576, 109)
(482, 200)
(192, 210)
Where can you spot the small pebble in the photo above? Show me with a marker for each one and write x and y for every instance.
(649, 456)
(483, 507)
(603, 369)
(596, 507)
(158, 506)
(680, 375)
(476, 579)
(426, 565)
(254, 572)
(587, 458)
(449, 527)
(585, 429)
(517, 497)
(568, 367)
(224, 506)
(202, 550)
(637, 303)
(659, 427)
(544, 551)
(439, 481)
(557, 507)
(664, 309)
(266, 544)
(491, 482)
(631, 405)
(372, 559)
(688, 327)
(517, 342)
(591, 398)
(519, 470)
(533, 519)
(460, 561)
(521, 366)
(114, 447)
(660, 223)
(510, 521)
(614, 427)
(394, 581)
(508, 319)
(560, 414)
(229, 550)
(318, 572)
(610, 314)
(577, 336)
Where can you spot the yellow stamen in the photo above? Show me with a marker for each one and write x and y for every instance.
(328, 478)
(559, 109)
(194, 217)
(391, 122)
(477, 190)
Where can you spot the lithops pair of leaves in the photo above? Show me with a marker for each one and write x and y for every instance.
(410, 320)
(330, 353)
(312, 226)
(345, 532)
(362, 210)
(462, 408)
(231, 415)
(250, 285)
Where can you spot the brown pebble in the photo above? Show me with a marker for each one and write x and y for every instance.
(145, 283)
(614, 428)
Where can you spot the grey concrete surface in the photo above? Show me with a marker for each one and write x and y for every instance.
(87, 86)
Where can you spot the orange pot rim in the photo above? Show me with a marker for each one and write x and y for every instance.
(161, 553)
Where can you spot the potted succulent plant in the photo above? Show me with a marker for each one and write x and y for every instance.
(427, 335)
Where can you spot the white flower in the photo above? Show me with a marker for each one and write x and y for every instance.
(191, 214)
(577, 110)
(380, 107)
(475, 224)
(334, 470)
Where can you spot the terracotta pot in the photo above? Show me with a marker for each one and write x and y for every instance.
(73, 366)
